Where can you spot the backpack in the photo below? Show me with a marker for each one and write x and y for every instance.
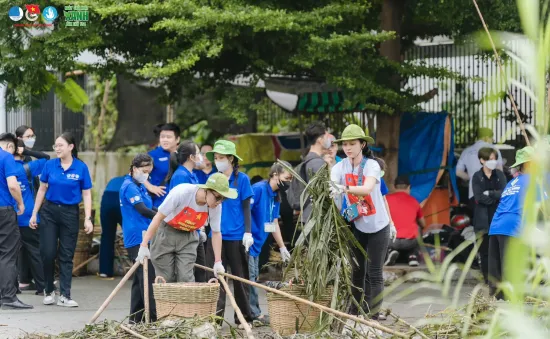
(296, 187)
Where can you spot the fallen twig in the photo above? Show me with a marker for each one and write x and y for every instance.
(135, 334)
(399, 319)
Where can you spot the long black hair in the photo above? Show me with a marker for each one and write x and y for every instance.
(235, 164)
(70, 139)
(141, 160)
(185, 150)
(367, 152)
(19, 131)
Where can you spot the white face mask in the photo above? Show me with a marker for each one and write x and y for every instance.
(29, 143)
(327, 143)
(200, 160)
(491, 164)
(140, 176)
(222, 166)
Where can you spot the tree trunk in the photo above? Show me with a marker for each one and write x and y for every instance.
(100, 124)
(387, 132)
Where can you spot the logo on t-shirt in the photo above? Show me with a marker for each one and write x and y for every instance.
(366, 206)
(163, 159)
(73, 176)
(188, 220)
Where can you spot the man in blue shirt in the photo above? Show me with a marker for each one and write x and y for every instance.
(10, 195)
(169, 139)
(110, 217)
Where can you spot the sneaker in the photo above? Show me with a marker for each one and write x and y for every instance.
(413, 262)
(49, 299)
(260, 321)
(381, 316)
(392, 258)
(66, 302)
(241, 326)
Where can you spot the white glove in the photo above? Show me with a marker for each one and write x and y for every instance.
(202, 236)
(218, 268)
(143, 252)
(285, 254)
(393, 232)
(336, 190)
(486, 193)
(248, 241)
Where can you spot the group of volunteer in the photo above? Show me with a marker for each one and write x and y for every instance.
(39, 221)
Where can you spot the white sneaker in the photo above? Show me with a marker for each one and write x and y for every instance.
(49, 299)
(66, 302)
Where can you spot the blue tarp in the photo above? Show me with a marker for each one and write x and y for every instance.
(421, 149)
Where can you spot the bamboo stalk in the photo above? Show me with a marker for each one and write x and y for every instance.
(499, 63)
(84, 263)
(312, 304)
(115, 291)
(135, 334)
(146, 289)
(396, 317)
(236, 308)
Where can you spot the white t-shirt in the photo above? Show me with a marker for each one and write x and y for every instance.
(469, 161)
(183, 213)
(341, 174)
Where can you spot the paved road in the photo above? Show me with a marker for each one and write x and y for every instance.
(90, 292)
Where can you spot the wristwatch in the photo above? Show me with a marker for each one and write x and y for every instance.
(347, 189)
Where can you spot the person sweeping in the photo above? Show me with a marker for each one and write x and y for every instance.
(185, 210)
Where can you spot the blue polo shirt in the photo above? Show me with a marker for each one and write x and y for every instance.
(27, 189)
(383, 188)
(264, 209)
(161, 164)
(232, 225)
(133, 223)
(508, 217)
(115, 184)
(202, 177)
(7, 169)
(65, 187)
(182, 176)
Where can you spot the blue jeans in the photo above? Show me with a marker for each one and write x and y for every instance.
(254, 272)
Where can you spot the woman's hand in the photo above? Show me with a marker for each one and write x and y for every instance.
(88, 226)
(32, 222)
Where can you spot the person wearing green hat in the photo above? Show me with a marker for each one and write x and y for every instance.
(507, 220)
(236, 226)
(186, 209)
(358, 179)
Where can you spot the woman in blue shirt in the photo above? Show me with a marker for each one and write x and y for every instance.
(64, 183)
(181, 171)
(235, 225)
(136, 206)
(30, 238)
(265, 220)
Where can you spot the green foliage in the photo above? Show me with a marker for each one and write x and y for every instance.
(111, 112)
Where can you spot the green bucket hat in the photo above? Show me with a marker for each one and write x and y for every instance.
(524, 155)
(223, 147)
(354, 132)
(218, 182)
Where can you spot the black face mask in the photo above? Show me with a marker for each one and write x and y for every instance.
(283, 185)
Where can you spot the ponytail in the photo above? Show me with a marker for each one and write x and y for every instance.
(70, 139)
(235, 164)
(185, 150)
(367, 152)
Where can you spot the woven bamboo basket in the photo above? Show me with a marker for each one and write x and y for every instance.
(288, 316)
(185, 300)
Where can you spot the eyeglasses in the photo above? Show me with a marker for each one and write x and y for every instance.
(218, 198)
(57, 146)
(32, 136)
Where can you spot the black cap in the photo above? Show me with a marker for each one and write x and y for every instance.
(402, 181)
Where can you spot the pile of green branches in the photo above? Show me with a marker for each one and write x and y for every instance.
(323, 252)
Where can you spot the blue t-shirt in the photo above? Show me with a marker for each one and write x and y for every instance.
(383, 188)
(27, 189)
(232, 225)
(133, 223)
(181, 176)
(338, 159)
(508, 217)
(7, 169)
(264, 209)
(161, 164)
(115, 184)
(202, 177)
(65, 186)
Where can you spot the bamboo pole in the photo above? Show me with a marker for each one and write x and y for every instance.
(312, 304)
(499, 63)
(146, 289)
(84, 263)
(115, 291)
(236, 308)
(135, 334)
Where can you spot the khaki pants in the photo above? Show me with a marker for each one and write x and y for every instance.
(173, 253)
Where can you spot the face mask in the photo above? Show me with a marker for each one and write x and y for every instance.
(199, 161)
(222, 166)
(283, 185)
(327, 143)
(29, 143)
(140, 176)
(491, 164)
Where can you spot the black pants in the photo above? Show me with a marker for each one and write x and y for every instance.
(234, 257)
(497, 250)
(30, 258)
(9, 250)
(407, 247)
(200, 274)
(110, 217)
(58, 225)
(484, 256)
(137, 303)
(368, 278)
